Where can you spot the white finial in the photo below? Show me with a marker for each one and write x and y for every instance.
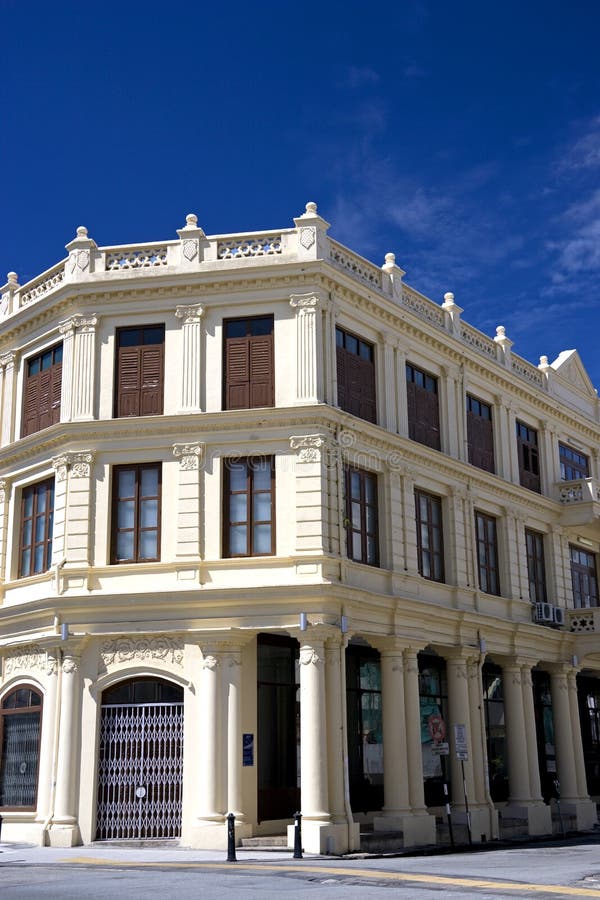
(12, 278)
(191, 220)
(82, 232)
(449, 297)
(501, 331)
(311, 208)
(543, 360)
(390, 259)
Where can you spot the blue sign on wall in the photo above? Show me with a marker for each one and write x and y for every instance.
(248, 750)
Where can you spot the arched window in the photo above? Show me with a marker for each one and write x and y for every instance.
(20, 728)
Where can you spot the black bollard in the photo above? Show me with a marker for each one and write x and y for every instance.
(298, 836)
(231, 857)
(0, 826)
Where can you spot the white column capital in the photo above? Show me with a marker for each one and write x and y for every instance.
(191, 315)
(79, 323)
(78, 463)
(310, 302)
(9, 358)
(309, 447)
(190, 456)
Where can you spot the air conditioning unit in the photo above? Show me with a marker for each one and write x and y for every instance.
(559, 615)
(544, 613)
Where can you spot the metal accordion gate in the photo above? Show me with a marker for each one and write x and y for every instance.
(140, 771)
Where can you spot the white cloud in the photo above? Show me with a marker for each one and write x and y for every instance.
(584, 153)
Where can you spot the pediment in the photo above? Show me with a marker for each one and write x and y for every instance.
(571, 370)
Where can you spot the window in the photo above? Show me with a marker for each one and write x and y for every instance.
(430, 547)
(355, 376)
(364, 716)
(20, 725)
(249, 506)
(487, 553)
(37, 516)
(249, 375)
(136, 513)
(361, 517)
(423, 410)
(480, 435)
(584, 578)
(433, 704)
(41, 390)
(529, 460)
(535, 566)
(140, 365)
(495, 731)
(573, 465)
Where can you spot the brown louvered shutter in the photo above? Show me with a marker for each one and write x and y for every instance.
(261, 370)
(428, 418)
(237, 374)
(481, 442)
(151, 380)
(31, 417)
(342, 378)
(44, 398)
(411, 396)
(128, 381)
(55, 392)
(367, 403)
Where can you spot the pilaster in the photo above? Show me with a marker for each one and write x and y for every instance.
(7, 363)
(191, 357)
(311, 524)
(390, 385)
(401, 393)
(310, 347)
(189, 508)
(5, 493)
(72, 508)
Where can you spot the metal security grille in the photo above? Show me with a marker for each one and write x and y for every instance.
(140, 771)
(20, 754)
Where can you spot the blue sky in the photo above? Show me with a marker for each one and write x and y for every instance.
(464, 137)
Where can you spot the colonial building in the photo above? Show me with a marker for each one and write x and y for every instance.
(279, 532)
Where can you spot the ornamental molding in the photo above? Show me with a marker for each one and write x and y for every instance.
(79, 324)
(165, 650)
(70, 665)
(78, 463)
(28, 659)
(190, 248)
(308, 235)
(308, 447)
(5, 488)
(191, 315)
(306, 302)
(210, 662)
(309, 657)
(9, 358)
(189, 455)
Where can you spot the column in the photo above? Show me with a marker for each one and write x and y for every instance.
(191, 356)
(47, 743)
(395, 749)
(232, 686)
(548, 449)
(480, 767)
(563, 734)
(309, 347)
(64, 831)
(459, 539)
(8, 362)
(396, 530)
(210, 767)
(189, 507)
(516, 736)
(450, 422)
(582, 790)
(459, 714)
(389, 413)
(535, 788)
(512, 545)
(419, 827)
(408, 523)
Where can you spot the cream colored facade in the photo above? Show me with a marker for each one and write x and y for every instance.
(196, 617)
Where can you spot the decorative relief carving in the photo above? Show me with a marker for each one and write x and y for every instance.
(210, 662)
(79, 259)
(70, 665)
(81, 324)
(305, 302)
(191, 315)
(8, 359)
(190, 249)
(189, 455)
(307, 237)
(309, 656)
(27, 659)
(160, 649)
(308, 447)
(79, 464)
(4, 490)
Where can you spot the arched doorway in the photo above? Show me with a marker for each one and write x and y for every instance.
(140, 763)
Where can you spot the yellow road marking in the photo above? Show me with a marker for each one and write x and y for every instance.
(447, 880)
